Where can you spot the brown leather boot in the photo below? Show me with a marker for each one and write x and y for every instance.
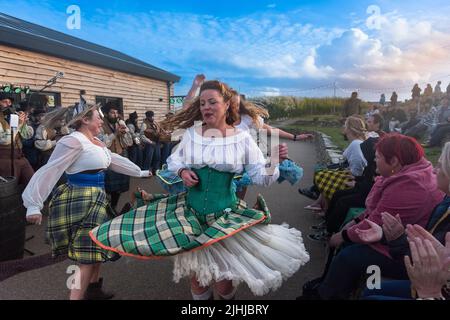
(95, 292)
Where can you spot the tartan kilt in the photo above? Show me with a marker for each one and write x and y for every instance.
(73, 212)
(330, 181)
(116, 182)
(167, 226)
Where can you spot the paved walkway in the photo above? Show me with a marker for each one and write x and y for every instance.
(133, 279)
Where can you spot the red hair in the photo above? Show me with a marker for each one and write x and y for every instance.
(406, 149)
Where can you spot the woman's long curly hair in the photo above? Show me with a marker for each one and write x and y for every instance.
(357, 126)
(249, 108)
(186, 118)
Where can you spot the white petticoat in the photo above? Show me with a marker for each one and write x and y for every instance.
(261, 256)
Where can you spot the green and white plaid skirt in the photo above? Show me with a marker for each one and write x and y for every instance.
(73, 212)
(329, 181)
(167, 226)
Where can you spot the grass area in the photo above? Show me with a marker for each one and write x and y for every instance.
(335, 133)
(321, 117)
(291, 107)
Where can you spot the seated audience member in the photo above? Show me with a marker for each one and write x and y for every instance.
(152, 134)
(443, 125)
(407, 189)
(396, 236)
(29, 150)
(166, 141)
(22, 168)
(426, 124)
(329, 181)
(135, 152)
(343, 200)
(429, 271)
(411, 122)
(400, 114)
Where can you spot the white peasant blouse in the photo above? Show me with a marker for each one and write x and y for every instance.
(73, 154)
(234, 153)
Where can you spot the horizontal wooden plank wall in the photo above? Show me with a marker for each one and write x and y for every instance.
(139, 94)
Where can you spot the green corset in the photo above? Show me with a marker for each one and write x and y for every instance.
(213, 193)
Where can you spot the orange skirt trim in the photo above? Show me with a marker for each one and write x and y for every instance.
(139, 257)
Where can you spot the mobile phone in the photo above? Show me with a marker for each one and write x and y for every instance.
(14, 121)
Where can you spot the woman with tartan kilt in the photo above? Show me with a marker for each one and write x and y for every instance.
(214, 237)
(249, 117)
(79, 205)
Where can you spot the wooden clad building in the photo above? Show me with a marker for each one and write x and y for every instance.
(30, 55)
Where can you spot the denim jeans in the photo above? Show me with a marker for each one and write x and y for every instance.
(351, 264)
(135, 154)
(152, 156)
(165, 151)
(390, 290)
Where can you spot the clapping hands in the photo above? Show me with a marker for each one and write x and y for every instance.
(392, 229)
(429, 269)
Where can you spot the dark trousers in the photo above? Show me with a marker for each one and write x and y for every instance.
(408, 125)
(115, 196)
(339, 206)
(438, 134)
(32, 155)
(44, 156)
(390, 290)
(152, 156)
(135, 154)
(166, 148)
(350, 265)
(418, 131)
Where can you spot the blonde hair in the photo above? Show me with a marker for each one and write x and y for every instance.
(87, 113)
(357, 127)
(186, 118)
(251, 109)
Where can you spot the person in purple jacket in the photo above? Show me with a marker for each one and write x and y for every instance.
(407, 189)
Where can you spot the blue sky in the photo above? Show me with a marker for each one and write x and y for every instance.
(270, 47)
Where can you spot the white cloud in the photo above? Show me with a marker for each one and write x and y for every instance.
(400, 53)
(269, 92)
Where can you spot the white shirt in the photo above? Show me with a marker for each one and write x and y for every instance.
(355, 158)
(41, 142)
(26, 132)
(226, 154)
(73, 154)
(247, 123)
(143, 136)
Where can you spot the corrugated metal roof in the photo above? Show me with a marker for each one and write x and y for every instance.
(29, 36)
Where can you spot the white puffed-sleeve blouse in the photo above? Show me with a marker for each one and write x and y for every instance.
(234, 153)
(74, 153)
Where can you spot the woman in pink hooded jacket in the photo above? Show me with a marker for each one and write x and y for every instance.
(406, 189)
